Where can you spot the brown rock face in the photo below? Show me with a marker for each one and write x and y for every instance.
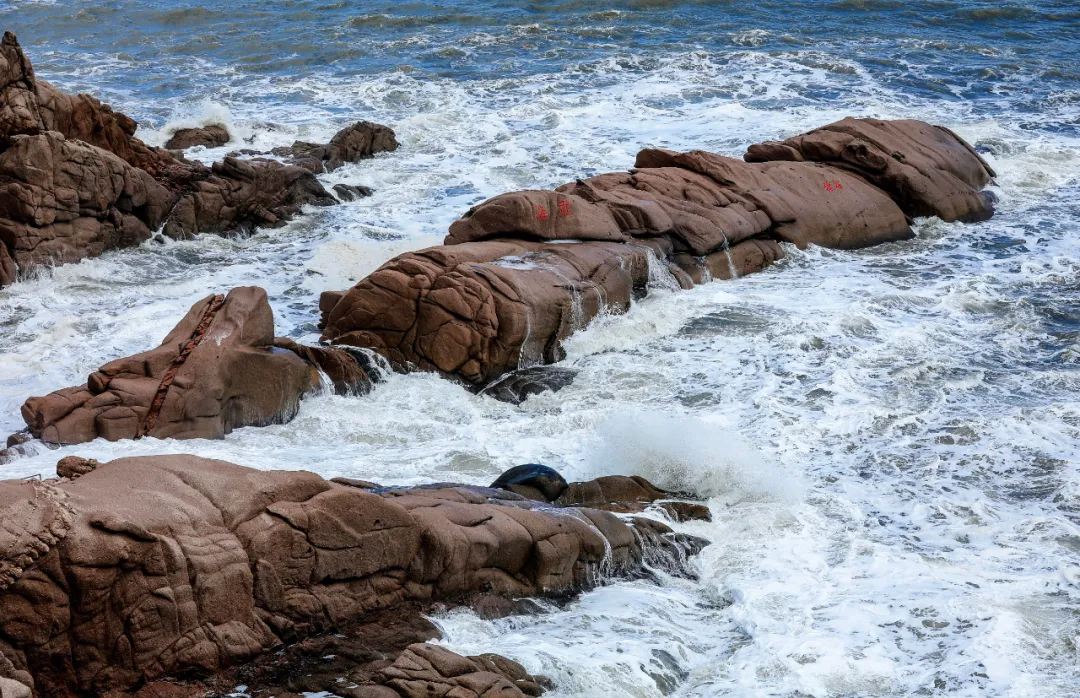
(208, 136)
(928, 170)
(19, 113)
(239, 194)
(63, 200)
(219, 369)
(179, 565)
(76, 182)
(480, 308)
(518, 273)
(351, 144)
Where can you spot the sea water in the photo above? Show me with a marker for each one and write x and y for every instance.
(887, 438)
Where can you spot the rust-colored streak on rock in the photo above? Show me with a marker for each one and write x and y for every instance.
(186, 388)
(167, 380)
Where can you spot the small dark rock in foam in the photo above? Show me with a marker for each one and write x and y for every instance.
(533, 481)
(352, 192)
(516, 387)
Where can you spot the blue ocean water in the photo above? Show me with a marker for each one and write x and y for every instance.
(889, 439)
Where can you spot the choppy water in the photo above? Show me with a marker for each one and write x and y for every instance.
(889, 438)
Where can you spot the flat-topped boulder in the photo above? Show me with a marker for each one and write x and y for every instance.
(219, 369)
(184, 566)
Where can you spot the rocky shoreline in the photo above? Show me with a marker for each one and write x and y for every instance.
(133, 571)
(77, 182)
(179, 575)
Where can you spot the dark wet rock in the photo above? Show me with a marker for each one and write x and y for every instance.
(219, 369)
(533, 481)
(517, 386)
(19, 437)
(686, 511)
(352, 192)
(210, 136)
(370, 659)
(208, 565)
(359, 141)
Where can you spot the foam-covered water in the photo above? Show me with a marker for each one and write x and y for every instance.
(887, 438)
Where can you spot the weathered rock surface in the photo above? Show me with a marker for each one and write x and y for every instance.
(76, 182)
(479, 309)
(928, 170)
(618, 493)
(183, 566)
(219, 369)
(351, 144)
(519, 272)
(62, 200)
(517, 386)
(210, 136)
(239, 195)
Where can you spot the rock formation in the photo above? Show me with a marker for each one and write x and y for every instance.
(927, 170)
(146, 568)
(219, 369)
(520, 272)
(351, 144)
(75, 181)
(210, 136)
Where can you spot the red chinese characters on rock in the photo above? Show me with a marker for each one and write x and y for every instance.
(541, 213)
(833, 185)
(564, 207)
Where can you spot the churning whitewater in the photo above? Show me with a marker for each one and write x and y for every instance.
(887, 438)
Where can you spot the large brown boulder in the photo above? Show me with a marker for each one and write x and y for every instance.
(521, 271)
(701, 202)
(799, 202)
(928, 170)
(219, 369)
(179, 565)
(479, 309)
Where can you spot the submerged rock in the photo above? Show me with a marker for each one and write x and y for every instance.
(219, 369)
(210, 136)
(517, 386)
(144, 568)
(351, 192)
